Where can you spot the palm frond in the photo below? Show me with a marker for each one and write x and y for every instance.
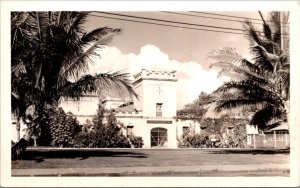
(240, 71)
(232, 104)
(101, 83)
(256, 39)
(262, 59)
(252, 34)
(19, 19)
(79, 21)
(225, 54)
(261, 87)
(70, 20)
(229, 55)
(248, 89)
(42, 20)
(79, 64)
(261, 117)
(18, 69)
(267, 29)
(275, 18)
(271, 57)
(97, 33)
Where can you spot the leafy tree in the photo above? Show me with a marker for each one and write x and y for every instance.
(48, 49)
(261, 85)
(107, 133)
(63, 128)
(196, 109)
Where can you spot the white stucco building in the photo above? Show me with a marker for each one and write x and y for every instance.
(151, 116)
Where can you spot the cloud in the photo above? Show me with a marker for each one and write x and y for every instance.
(111, 59)
(192, 78)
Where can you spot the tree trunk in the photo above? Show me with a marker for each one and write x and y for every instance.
(19, 148)
(287, 108)
(18, 129)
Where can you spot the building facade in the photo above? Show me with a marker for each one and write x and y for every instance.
(152, 115)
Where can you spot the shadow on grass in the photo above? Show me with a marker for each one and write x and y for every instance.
(39, 156)
(252, 151)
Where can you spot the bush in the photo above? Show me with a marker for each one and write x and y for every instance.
(136, 141)
(235, 137)
(107, 133)
(57, 128)
(63, 128)
(188, 140)
(85, 140)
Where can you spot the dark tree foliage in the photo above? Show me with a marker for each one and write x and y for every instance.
(136, 141)
(48, 49)
(225, 132)
(57, 128)
(106, 133)
(196, 109)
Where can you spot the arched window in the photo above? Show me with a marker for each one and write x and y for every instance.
(159, 137)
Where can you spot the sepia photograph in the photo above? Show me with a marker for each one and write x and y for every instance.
(153, 94)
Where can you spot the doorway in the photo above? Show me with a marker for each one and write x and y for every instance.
(159, 137)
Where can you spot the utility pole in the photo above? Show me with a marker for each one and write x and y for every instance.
(281, 31)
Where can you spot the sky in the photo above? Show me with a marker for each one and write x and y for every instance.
(157, 47)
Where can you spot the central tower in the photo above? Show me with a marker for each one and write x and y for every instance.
(157, 102)
(157, 93)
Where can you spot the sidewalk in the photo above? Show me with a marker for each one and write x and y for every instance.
(225, 170)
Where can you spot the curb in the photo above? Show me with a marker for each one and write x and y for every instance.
(212, 170)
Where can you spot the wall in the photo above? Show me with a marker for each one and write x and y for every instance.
(142, 126)
(156, 87)
(14, 132)
(84, 109)
(193, 125)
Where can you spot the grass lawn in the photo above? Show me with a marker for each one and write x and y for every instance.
(93, 158)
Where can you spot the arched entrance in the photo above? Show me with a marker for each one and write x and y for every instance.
(159, 137)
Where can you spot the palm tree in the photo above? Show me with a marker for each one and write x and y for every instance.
(48, 49)
(261, 85)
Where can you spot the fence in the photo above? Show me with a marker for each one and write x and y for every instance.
(276, 139)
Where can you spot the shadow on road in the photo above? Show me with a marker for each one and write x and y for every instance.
(39, 156)
(252, 151)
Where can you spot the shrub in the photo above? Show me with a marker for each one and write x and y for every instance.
(233, 138)
(63, 128)
(85, 140)
(87, 126)
(136, 141)
(57, 128)
(188, 140)
(106, 133)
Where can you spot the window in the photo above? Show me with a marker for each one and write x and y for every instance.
(158, 109)
(129, 130)
(185, 129)
(202, 127)
(159, 137)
